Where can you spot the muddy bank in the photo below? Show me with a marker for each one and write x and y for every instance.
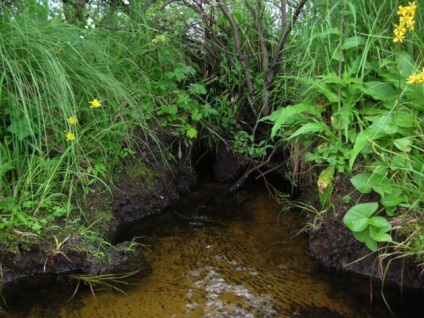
(335, 247)
(92, 246)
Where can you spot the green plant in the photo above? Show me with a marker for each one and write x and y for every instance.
(367, 227)
(108, 281)
(360, 113)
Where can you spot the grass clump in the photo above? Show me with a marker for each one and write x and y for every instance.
(74, 102)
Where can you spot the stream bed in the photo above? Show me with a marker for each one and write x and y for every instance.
(216, 254)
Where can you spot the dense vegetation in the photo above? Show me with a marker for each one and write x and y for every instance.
(334, 87)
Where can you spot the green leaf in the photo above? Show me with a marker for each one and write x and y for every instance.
(403, 144)
(357, 217)
(309, 128)
(366, 137)
(381, 90)
(404, 118)
(365, 237)
(362, 182)
(353, 41)
(197, 89)
(282, 116)
(406, 64)
(400, 161)
(390, 210)
(379, 236)
(20, 128)
(324, 89)
(191, 133)
(391, 200)
(380, 222)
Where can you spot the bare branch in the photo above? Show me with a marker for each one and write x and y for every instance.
(276, 60)
(240, 55)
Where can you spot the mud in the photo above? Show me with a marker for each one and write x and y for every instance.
(335, 247)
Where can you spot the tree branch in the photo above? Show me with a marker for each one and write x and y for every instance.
(240, 55)
(276, 60)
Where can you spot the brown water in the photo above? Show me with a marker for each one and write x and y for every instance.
(219, 255)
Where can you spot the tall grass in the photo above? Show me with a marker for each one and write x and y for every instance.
(50, 71)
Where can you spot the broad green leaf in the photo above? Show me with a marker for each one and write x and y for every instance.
(390, 129)
(391, 200)
(366, 137)
(404, 118)
(357, 217)
(20, 128)
(324, 89)
(406, 64)
(362, 182)
(379, 236)
(381, 90)
(400, 161)
(353, 41)
(380, 222)
(365, 237)
(282, 116)
(309, 128)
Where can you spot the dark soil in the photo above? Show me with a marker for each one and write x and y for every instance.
(140, 189)
(336, 248)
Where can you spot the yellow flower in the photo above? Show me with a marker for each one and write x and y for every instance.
(399, 28)
(414, 79)
(410, 24)
(408, 21)
(70, 136)
(402, 11)
(411, 9)
(72, 120)
(399, 38)
(95, 103)
(421, 75)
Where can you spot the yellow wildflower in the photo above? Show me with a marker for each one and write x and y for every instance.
(399, 29)
(399, 38)
(414, 79)
(72, 120)
(70, 136)
(95, 103)
(411, 9)
(410, 24)
(402, 11)
(421, 75)
(408, 21)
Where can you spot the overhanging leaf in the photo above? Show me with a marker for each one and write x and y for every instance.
(282, 116)
(309, 128)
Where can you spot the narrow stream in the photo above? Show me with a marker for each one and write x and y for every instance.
(228, 255)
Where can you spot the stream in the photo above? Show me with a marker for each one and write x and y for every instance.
(216, 254)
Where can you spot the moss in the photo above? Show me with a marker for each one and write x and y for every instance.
(13, 241)
(136, 171)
